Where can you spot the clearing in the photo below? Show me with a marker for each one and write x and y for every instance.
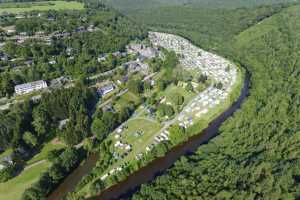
(41, 6)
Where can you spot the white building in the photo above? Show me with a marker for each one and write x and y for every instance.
(30, 87)
(106, 89)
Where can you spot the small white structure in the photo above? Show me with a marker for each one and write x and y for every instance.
(30, 87)
(52, 62)
(106, 89)
(2, 166)
(104, 177)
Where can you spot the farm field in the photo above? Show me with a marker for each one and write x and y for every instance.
(41, 6)
(14, 188)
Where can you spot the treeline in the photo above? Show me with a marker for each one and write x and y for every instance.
(256, 154)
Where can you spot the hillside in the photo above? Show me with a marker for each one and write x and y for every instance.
(256, 155)
(129, 6)
(209, 28)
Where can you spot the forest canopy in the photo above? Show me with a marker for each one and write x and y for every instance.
(256, 155)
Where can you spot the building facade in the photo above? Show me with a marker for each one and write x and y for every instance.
(30, 87)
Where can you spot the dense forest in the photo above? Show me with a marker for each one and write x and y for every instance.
(256, 155)
(129, 6)
(210, 28)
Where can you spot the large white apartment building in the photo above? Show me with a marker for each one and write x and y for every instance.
(30, 87)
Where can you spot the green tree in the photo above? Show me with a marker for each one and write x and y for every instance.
(189, 87)
(177, 99)
(177, 134)
(165, 110)
(135, 86)
(100, 129)
(30, 139)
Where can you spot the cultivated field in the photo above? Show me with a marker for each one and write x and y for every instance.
(41, 6)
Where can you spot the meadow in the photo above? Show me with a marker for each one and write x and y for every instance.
(14, 188)
(39, 6)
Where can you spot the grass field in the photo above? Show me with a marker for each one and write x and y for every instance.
(144, 125)
(13, 189)
(148, 127)
(125, 99)
(44, 152)
(40, 6)
(173, 89)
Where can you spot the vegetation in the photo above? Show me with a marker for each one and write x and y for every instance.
(62, 165)
(14, 188)
(209, 28)
(255, 156)
(129, 6)
(40, 6)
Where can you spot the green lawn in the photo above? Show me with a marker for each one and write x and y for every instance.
(41, 6)
(126, 98)
(44, 152)
(149, 128)
(173, 89)
(13, 189)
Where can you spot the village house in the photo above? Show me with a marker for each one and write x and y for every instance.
(102, 57)
(58, 82)
(106, 89)
(91, 28)
(28, 63)
(122, 80)
(20, 16)
(10, 31)
(4, 57)
(30, 87)
(6, 162)
(52, 62)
